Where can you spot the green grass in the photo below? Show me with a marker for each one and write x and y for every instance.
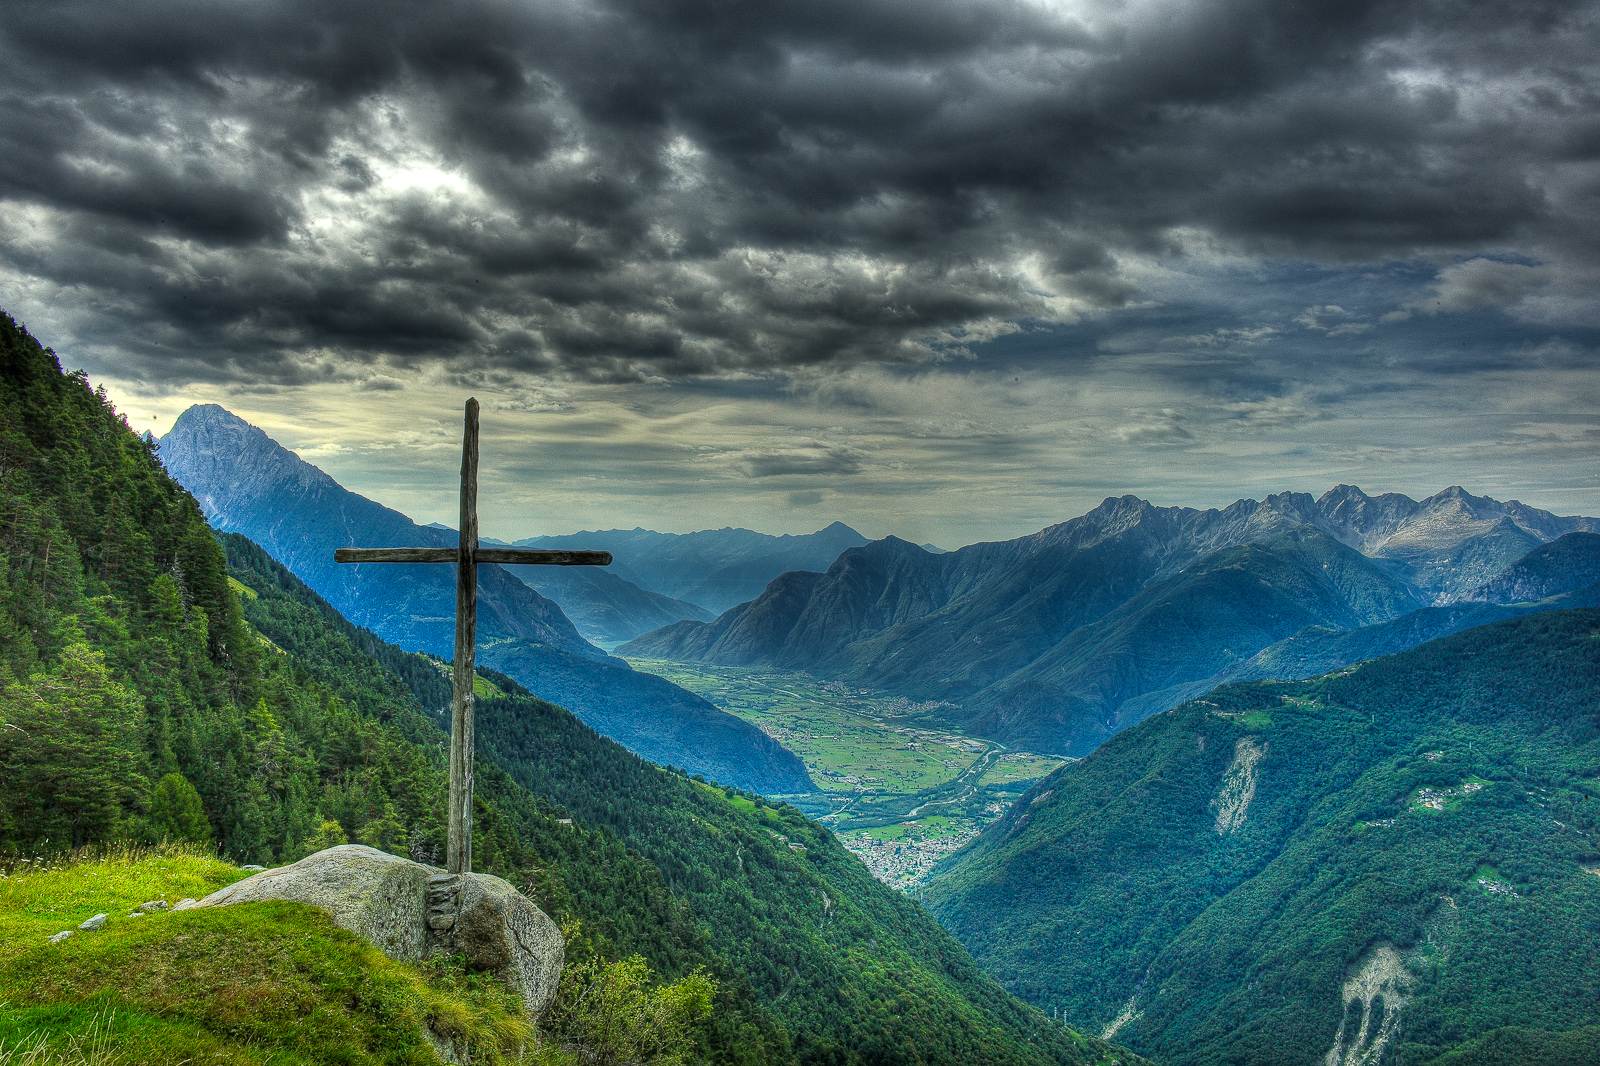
(886, 832)
(1019, 767)
(272, 983)
(847, 741)
(762, 811)
(484, 689)
(850, 741)
(932, 827)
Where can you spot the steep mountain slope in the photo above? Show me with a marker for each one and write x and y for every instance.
(1395, 860)
(1000, 627)
(1563, 565)
(1317, 650)
(141, 703)
(713, 568)
(132, 650)
(804, 618)
(855, 972)
(1148, 653)
(246, 483)
(1560, 575)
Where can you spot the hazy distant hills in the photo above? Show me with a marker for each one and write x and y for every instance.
(1058, 639)
(1560, 575)
(246, 483)
(606, 608)
(661, 578)
(1395, 862)
(714, 569)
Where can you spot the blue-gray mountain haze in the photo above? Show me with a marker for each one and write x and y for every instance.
(1057, 640)
(248, 484)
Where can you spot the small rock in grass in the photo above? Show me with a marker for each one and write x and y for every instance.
(59, 937)
(252, 866)
(93, 923)
(153, 905)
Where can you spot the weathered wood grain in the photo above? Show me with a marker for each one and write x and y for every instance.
(542, 557)
(397, 555)
(458, 842)
(524, 556)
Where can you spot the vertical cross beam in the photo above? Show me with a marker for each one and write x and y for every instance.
(467, 556)
(458, 845)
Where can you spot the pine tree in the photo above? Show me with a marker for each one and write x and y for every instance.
(176, 812)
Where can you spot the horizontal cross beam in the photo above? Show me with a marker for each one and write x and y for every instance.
(531, 556)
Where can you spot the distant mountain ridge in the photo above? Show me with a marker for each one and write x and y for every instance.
(1561, 575)
(604, 607)
(1004, 628)
(713, 568)
(246, 483)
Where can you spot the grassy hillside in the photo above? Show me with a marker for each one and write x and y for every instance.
(1401, 859)
(267, 983)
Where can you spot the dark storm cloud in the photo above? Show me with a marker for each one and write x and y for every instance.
(810, 458)
(290, 191)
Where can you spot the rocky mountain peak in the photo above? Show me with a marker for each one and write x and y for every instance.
(208, 444)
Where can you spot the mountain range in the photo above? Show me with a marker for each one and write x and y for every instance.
(864, 976)
(1057, 640)
(1397, 860)
(247, 483)
(713, 569)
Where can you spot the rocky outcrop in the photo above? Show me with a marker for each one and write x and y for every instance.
(1232, 801)
(410, 911)
(498, 929)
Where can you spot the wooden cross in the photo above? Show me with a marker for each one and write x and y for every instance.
(458, 847)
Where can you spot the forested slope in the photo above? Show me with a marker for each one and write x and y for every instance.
(247, 483)
(138, 702)
(149, 691)
(1395, 861)
(855, 971)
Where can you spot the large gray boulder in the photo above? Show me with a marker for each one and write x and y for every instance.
(499, 929)
(410, 911)
(375, 895)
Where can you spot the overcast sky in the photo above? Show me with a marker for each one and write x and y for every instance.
(951, 270)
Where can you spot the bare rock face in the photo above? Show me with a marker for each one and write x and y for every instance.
(375, 895)
(498, 929)
(409, 911)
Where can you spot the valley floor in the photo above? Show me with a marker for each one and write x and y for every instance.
(898, 787)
